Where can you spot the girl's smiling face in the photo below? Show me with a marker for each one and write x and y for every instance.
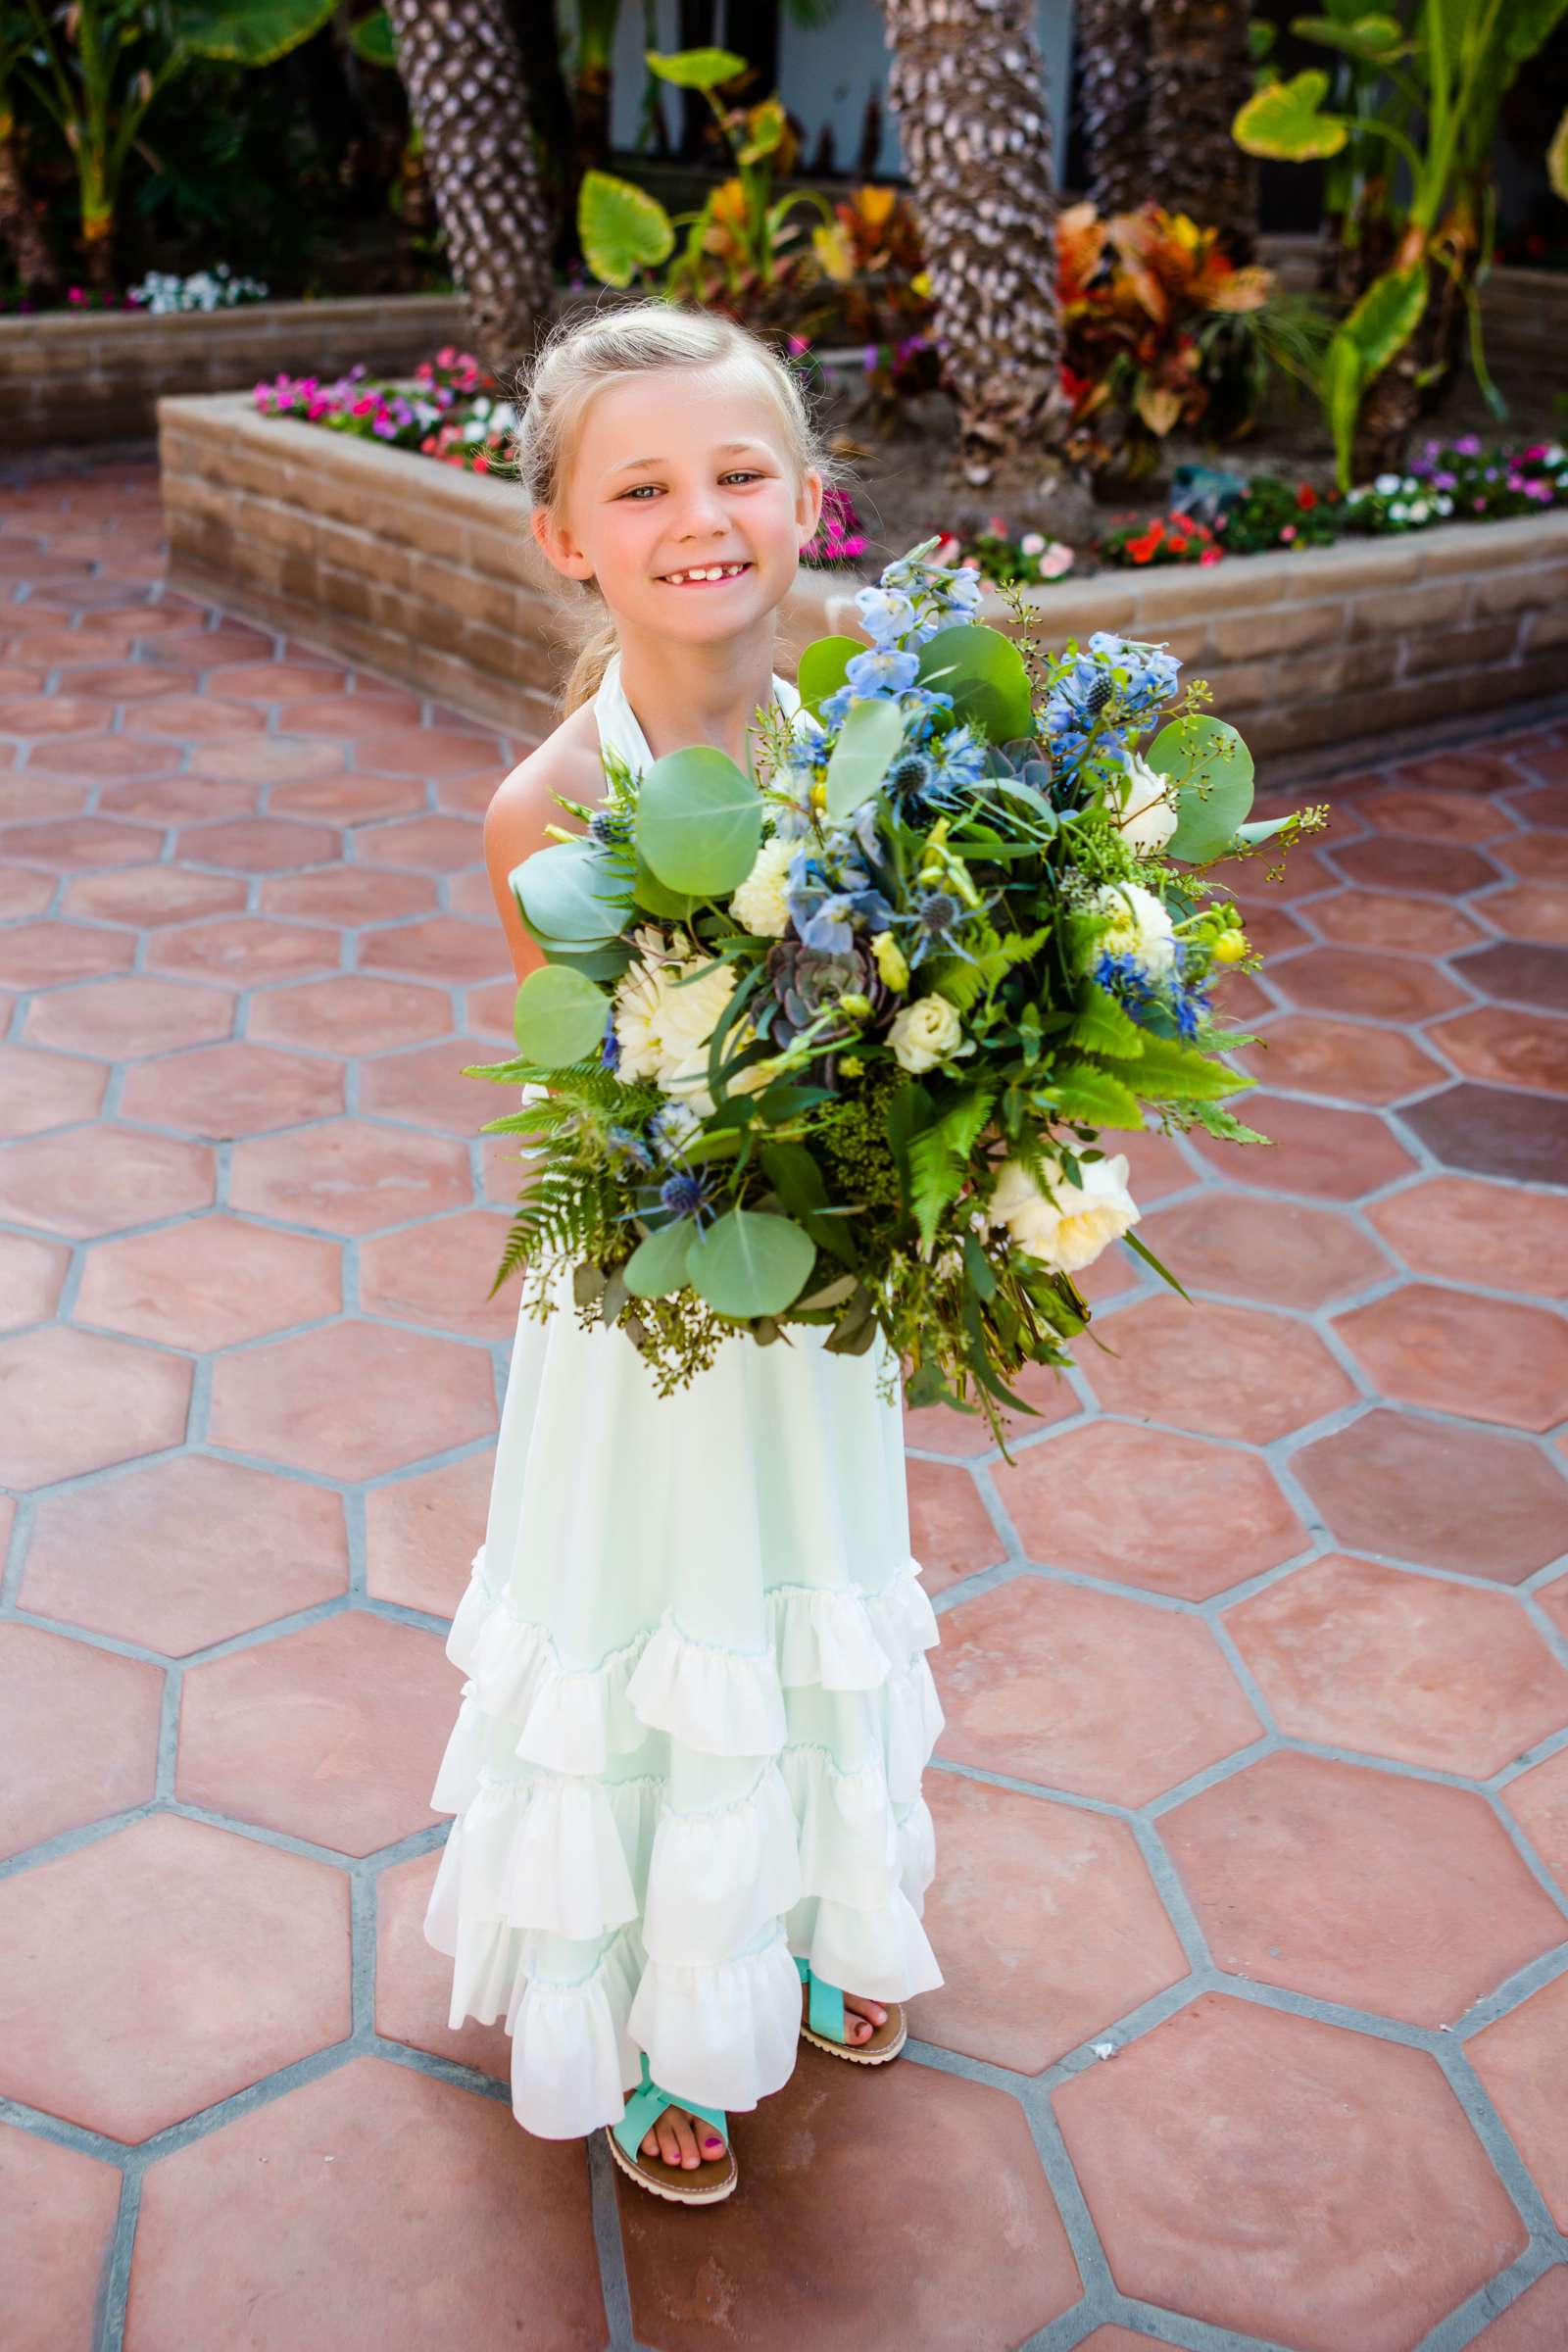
(683, 469)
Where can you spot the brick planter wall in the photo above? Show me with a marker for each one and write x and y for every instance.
(425, 573)
(97, 375)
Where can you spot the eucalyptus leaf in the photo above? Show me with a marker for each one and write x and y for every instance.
(746, 1264)
(658, 1265)
(870, 740)
(559, 1018)
(823, 668)
(1211, 771)
(572, 892)
(699, 821)
(984, 672)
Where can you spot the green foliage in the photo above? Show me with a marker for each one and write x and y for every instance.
(559, 1018)
(620, 229)
(939, 1157)
(984, 672)
(699, 821)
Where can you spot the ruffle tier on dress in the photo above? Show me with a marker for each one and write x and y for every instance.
(696, 1716)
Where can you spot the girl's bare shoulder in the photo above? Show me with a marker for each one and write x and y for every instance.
(566, 762)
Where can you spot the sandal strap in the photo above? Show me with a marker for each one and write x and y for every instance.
(825, 2009)
(647, 2104)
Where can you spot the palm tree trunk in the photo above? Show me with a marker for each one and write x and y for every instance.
(1113, 55)
(1200, 72)
(967, 88)
(466, 85)
(20, 232)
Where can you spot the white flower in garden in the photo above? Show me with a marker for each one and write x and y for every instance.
(760, 905)
(1388, 485)
(1140, 926)
(1032, 544)
(924, 1032)
(1068, 1232)
(1148, 815)
(659, 1025)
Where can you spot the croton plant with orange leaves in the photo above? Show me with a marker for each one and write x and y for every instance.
(1149, 303)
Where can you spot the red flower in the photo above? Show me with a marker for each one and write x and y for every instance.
(1212, 554)
(1306, 498)
(1142, 551)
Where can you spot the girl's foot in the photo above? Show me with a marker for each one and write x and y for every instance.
(861, 2015)
(684, 2139)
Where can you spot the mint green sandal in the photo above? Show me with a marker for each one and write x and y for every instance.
(824, 2023)
(703, 2183)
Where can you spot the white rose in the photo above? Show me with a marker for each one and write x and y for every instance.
(1140, 926)
(1069, 1232)
(1148, 815)
(761, 904)
(923, 1032)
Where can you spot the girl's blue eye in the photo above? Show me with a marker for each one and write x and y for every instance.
(740, 474)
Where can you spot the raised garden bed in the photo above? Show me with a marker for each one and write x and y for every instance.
(96, 376)
(425, 573)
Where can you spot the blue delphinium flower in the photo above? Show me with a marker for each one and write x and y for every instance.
(610, 1049)
(1116, 686)
(884, 671)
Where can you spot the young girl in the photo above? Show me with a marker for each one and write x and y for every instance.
(687, 1766)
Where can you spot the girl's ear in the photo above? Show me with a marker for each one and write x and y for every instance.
(809, 505)
(558, 547)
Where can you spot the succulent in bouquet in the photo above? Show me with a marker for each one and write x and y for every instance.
(840, 1045)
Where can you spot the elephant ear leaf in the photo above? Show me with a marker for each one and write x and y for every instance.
(621, 228)
(1285, 121)
(256, 34)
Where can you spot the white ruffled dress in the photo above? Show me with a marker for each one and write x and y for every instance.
(697, 1712)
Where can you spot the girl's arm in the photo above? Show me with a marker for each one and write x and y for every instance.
(514, 827)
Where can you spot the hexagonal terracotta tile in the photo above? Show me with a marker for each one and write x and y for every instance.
(1085, 1692)
(1434, 815)
(31, 1277)
(1538, 2322)
(127, 1179)
(350, 1177)
(950, 1531)
(350, 1014)
(1315, 1055)
(352, 1400)
(343, 893)
(72, 846)
(42, 955)
(1523, 2061)
(1530, 911)
(232, 1090)
(1488, 1358)
(62, 2206)
(1328, 1154)
(83, 1733)
(1538, 1801)
(1383, 919)
(150, 894)
(414, 1980)
(442, 947)
(1507, 1046)
(353, 800)
(164, 1967)
(421, 1533)
(1439, 1495)
(1518, 973)
(1005, 2272)
(1332, 2193)
(1396, 1664)
(1219, 1371)
(185, 1552)
(428, 1088)
(1397, 1895)
(40, 1091)
(440, 1274)
(245, 953)
(332, 1733)
(1379, 987)
(70, 1401)
(1097, 1500)
(265, 760)
(366, 2175)
(257, 845)
(1048, 1922)
(128, 1019)
(1279, 1252)
(207, 1284)
(1509, 1240)
(1495, 1130)
(941, 1429)
(1389, 863)
(431, 752)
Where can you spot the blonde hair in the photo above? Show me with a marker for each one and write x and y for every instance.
(576, 359)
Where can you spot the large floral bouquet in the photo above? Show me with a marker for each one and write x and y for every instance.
(838, 1048)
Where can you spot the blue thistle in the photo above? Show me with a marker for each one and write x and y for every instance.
(685, 1193)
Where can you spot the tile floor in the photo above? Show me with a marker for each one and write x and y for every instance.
(1253, 1800)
